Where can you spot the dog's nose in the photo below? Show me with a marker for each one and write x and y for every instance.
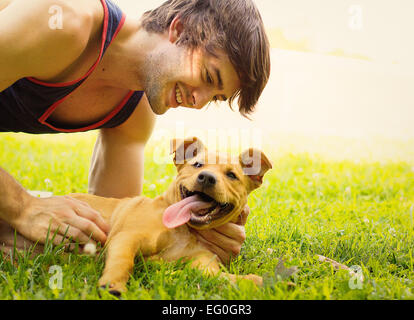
(206, 179)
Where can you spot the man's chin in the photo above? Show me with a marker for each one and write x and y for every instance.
(158, 113)
(159, 110)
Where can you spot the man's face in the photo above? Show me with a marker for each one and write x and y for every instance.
(178, 77)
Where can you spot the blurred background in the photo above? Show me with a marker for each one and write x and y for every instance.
(342, 82)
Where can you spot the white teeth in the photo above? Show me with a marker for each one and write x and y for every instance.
(178, 95)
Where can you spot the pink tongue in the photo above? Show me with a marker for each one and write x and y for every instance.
(180, 212)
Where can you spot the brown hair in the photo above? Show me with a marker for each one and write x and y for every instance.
(234, 26)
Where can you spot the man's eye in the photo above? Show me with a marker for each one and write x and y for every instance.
(209, 78)
(197, 165)
(231, 175)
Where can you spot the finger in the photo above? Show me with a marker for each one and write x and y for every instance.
(220, 244)
(66, 242)
(220, 240)
(222, 255)
(86, 227)
(243, 216)
(91, 214)
(83, 209)
(66, 230)
(233, 231)
(58, 239)
(72, 232)
(55, 238)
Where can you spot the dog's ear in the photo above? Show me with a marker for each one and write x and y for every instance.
(186, 149)
(254, 164)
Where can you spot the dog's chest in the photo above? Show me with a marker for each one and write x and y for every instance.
(177, 243)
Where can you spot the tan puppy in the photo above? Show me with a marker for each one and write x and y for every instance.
(205, 194)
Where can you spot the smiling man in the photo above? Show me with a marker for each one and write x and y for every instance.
(103, 70)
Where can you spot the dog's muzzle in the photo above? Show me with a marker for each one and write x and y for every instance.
(207, 215)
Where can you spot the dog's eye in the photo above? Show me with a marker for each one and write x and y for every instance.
(231, 175)
(197, 165)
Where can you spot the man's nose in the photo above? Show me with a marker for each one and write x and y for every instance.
(201, 97)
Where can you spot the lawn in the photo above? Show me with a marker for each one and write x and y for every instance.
(358, 213)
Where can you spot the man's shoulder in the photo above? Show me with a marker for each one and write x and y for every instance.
(55, 14)
(65, 20)
(45, 30)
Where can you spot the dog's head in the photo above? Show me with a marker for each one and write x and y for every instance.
(211, 189)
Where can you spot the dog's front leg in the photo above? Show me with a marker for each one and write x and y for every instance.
(120, 255)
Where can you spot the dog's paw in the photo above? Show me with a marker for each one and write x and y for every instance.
(256, 279)
(114, 292)
(114, 288)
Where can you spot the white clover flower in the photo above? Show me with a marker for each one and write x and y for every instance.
(90, 248)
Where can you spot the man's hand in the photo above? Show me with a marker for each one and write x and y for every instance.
(63, 215)
(225, 241)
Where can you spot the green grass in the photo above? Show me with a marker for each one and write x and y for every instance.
(357, 213)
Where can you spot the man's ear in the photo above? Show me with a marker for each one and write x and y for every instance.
(254, 164)
(175, 29)
(186, 149)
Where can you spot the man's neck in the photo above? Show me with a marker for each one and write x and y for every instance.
(123, 60)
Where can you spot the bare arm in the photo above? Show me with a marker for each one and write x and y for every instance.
(117, 167)
(34, 218)
(30, 47)
(12, 197)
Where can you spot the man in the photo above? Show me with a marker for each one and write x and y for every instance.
(99, 69)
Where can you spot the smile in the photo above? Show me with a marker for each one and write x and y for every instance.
(178, 95)
(206, 216)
